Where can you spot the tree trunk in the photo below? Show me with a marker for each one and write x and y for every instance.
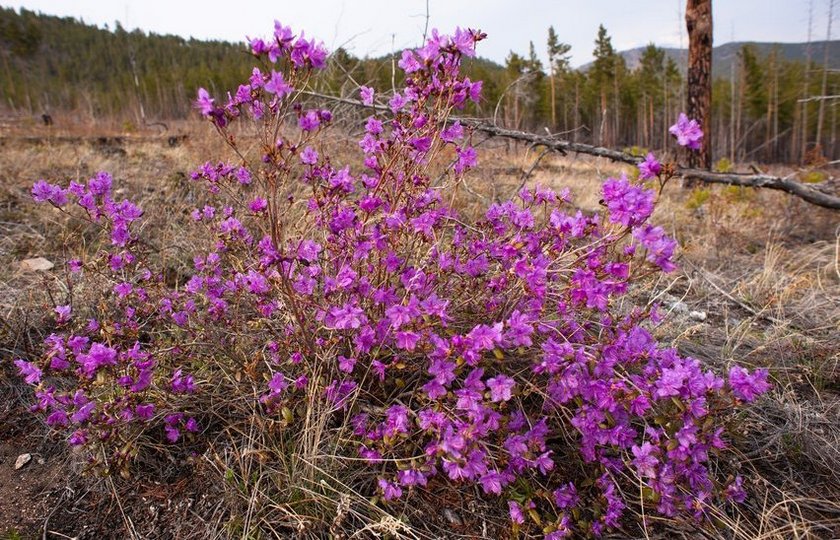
(652, 141)
(821, 111)
(806, 87)
(698, 18)
(553, 103)
(577, 109)
(617, 111)
(732, 133)
(603, 120)
(768, 122)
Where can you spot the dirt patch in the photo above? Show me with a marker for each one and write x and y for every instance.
(26, 494)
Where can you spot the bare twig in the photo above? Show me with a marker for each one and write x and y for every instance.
(527, 174)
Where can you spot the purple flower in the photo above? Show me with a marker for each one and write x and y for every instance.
(500, 388)
(204, 103)
(243, 176)
(63, 314)
(31, 373)
(46, 192)
(373, 126)
(78, 438)
(396, 421)
(277, 385)
(515, 511)
(735, 491)
(345, 317)
(123, 289)
(422, 144)
(672, 381)
(346, 364)
(309, 121)
(748, 386)
(283, 34)
(627, 204)
(84, 412)
(183, 383)
(309, 156)
(407, 340)
(41, 191)
(566, 496)
(309, 250)
(650, 167)
(145, 411)
(466, 159)
(519, 330)
(687, 132)
(257, 283)
(57, 418)
(544, 463)
(366, 93)
(400, 315)
(258, 205)
(277, 85)
(397, 102)
(412, 477)
(390, 490)
(100, 185)
(453, 132)
(644, 459)
(660, 248)
(191, 425)
(464, 41)
(493, 482)
(408, 62)
(484, 337)
(98, 356)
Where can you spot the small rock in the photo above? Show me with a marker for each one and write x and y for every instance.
(452, 517)
(22, 460)
(679, 307)
(36, 264)
(698, 315)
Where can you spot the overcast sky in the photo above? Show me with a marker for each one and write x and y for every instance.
(374, 27)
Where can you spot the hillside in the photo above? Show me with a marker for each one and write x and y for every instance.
(724, 55)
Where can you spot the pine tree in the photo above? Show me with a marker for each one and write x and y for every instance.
(558, 65)
(603, 76)
(650, 78)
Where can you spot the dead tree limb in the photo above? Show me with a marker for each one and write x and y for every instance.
(812, 193)
(807, 192)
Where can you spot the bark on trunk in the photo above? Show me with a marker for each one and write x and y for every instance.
(698, 18)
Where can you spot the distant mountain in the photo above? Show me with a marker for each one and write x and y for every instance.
(724, 55)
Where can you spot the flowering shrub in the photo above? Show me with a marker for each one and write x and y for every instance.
(499, 352)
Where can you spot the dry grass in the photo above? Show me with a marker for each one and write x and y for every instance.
(764, 268)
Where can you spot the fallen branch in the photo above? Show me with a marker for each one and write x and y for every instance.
(812, 193)
(807, 192)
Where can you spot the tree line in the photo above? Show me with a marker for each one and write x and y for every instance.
(52, 64)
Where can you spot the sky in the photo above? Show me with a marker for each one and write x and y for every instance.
(376, 27)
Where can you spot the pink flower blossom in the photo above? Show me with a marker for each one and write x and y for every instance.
(687, 132)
